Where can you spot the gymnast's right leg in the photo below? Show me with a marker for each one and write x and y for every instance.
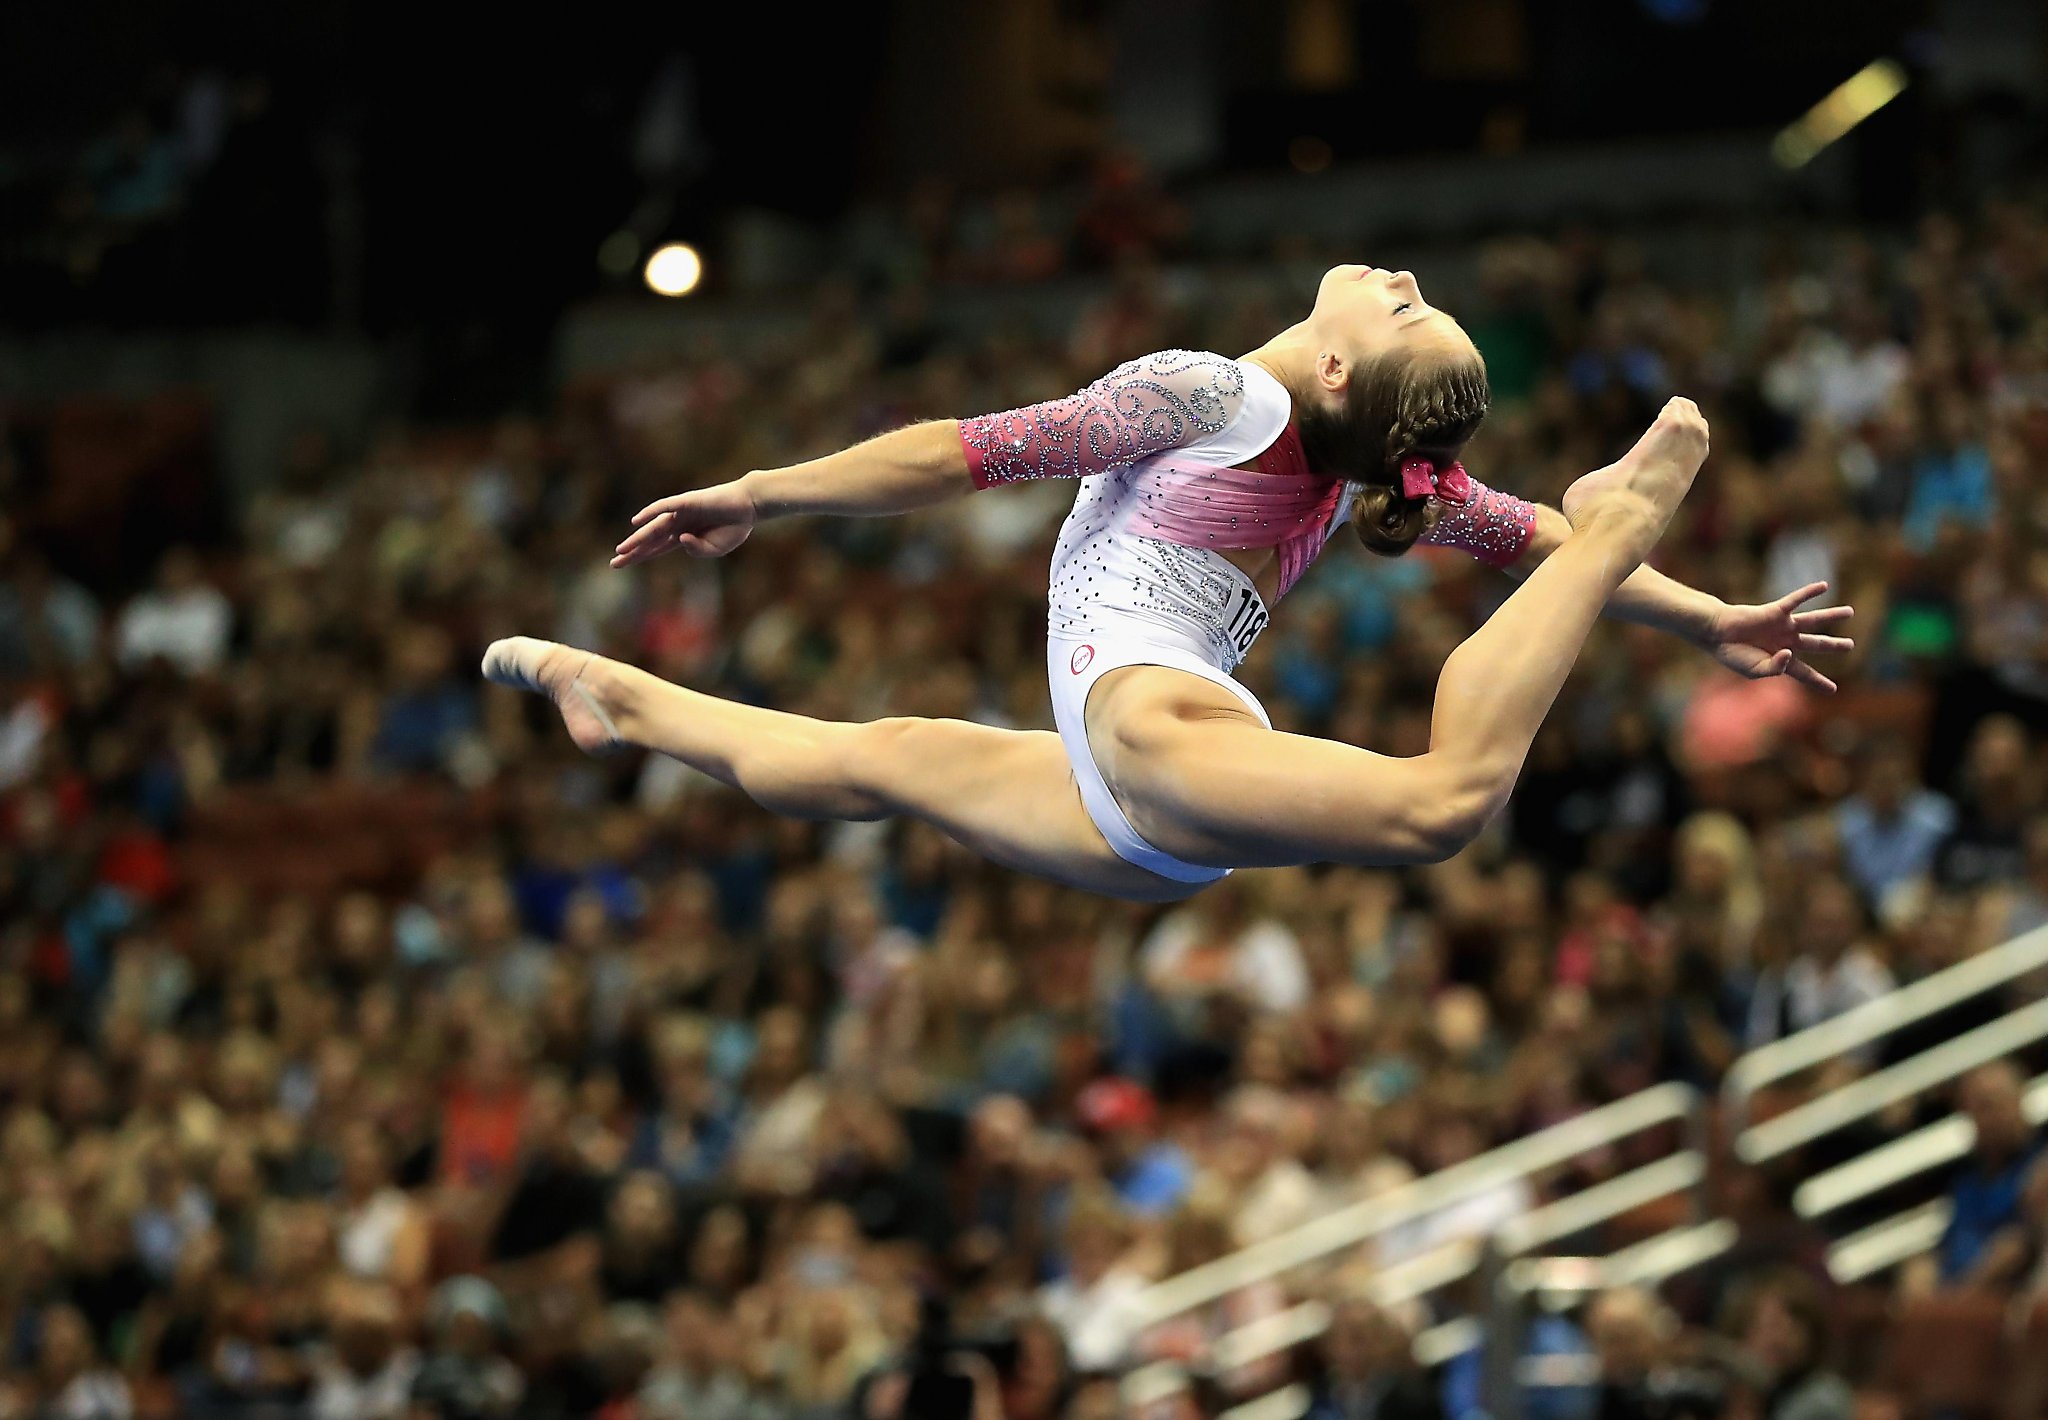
(1007, 794)
(1219, 788)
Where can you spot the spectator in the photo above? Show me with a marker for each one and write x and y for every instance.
(1770, 1235)
(721, 1258)
(463, 1375)
(484, 1112)
(833, 1343)
(365, 1374)
(1257, 1160)
(642, 1250)
(556, 1198)
(1354, 1163)
(1366, 1370)
(1717, 897)
(1984, 1244)
(2027, 908)
(513, 965)
(689, 1136)
(47, 621)
(1094, 1304)
(1634, 1338)
(1150, 1175)
(1891, 828)
(999, 1183)
(184, 621)
(867, 1165)
(781, 1102)
(1829, 972)
(1952, 477)
(428, 709)
(1196, 1234)
(1782, 1333)
(72, 1383)
(381, 1230)
(695, 1379)
(1218, 946)
(1999, 792)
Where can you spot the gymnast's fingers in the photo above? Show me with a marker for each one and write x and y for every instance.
(1806, 675)
(649, 538)
(638, 548)
(1805, 594)
(1822, 616)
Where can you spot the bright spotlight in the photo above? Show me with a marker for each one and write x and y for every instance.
(1857, 98)
(674, 270)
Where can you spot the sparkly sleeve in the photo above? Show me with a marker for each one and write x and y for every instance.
(1494, 527)
(1163, 401)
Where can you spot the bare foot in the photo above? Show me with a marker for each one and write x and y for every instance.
(577, 681)
(1641, 490)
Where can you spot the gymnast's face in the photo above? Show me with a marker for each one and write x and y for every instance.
(1363, 313)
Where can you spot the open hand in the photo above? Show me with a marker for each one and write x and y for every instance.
(705, 522)
(1775, 638)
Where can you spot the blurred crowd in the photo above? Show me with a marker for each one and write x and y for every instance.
(635, 1102)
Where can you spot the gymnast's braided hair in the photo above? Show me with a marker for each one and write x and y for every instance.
(1396, 408)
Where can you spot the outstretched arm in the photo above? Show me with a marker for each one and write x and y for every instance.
(1164, 401)
(898, 472)
(1774, 639)
(1754, 641)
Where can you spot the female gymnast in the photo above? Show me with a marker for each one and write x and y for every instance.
(1207, 486)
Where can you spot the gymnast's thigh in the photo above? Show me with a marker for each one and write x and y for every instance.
(1009, 795)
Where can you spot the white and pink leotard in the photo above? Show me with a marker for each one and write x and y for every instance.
(1137, 578)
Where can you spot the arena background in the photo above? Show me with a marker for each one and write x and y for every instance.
(366, 1053)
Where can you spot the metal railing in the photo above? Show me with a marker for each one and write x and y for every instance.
(1903, 1236)
(1925, 1149)
(1642, 1264)
(1884, 1245)
(1369, 1220)
(1804, 1123)
(1647, 1263)
(1852, 1030)
(1448, 1262)
(1458, 1259)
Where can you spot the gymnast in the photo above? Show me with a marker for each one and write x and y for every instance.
(1206, 487)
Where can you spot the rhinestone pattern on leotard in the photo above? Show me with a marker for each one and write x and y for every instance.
(1494, 527)
(1144, 406)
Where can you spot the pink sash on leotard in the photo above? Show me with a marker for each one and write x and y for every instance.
(1278, 504)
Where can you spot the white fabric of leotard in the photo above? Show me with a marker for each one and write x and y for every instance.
(1118, 598)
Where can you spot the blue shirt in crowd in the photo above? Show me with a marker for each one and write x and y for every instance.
(1986, 1200)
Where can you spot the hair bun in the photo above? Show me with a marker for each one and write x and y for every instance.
(1387, 522)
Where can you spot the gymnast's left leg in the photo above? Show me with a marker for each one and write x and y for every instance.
(1007, 794)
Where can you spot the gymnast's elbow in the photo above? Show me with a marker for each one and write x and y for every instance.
(933, 455)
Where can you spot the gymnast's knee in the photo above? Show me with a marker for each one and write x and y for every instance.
(1462, 800)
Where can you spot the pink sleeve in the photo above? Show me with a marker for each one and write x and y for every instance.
(1492, 526)
(1163, 401)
